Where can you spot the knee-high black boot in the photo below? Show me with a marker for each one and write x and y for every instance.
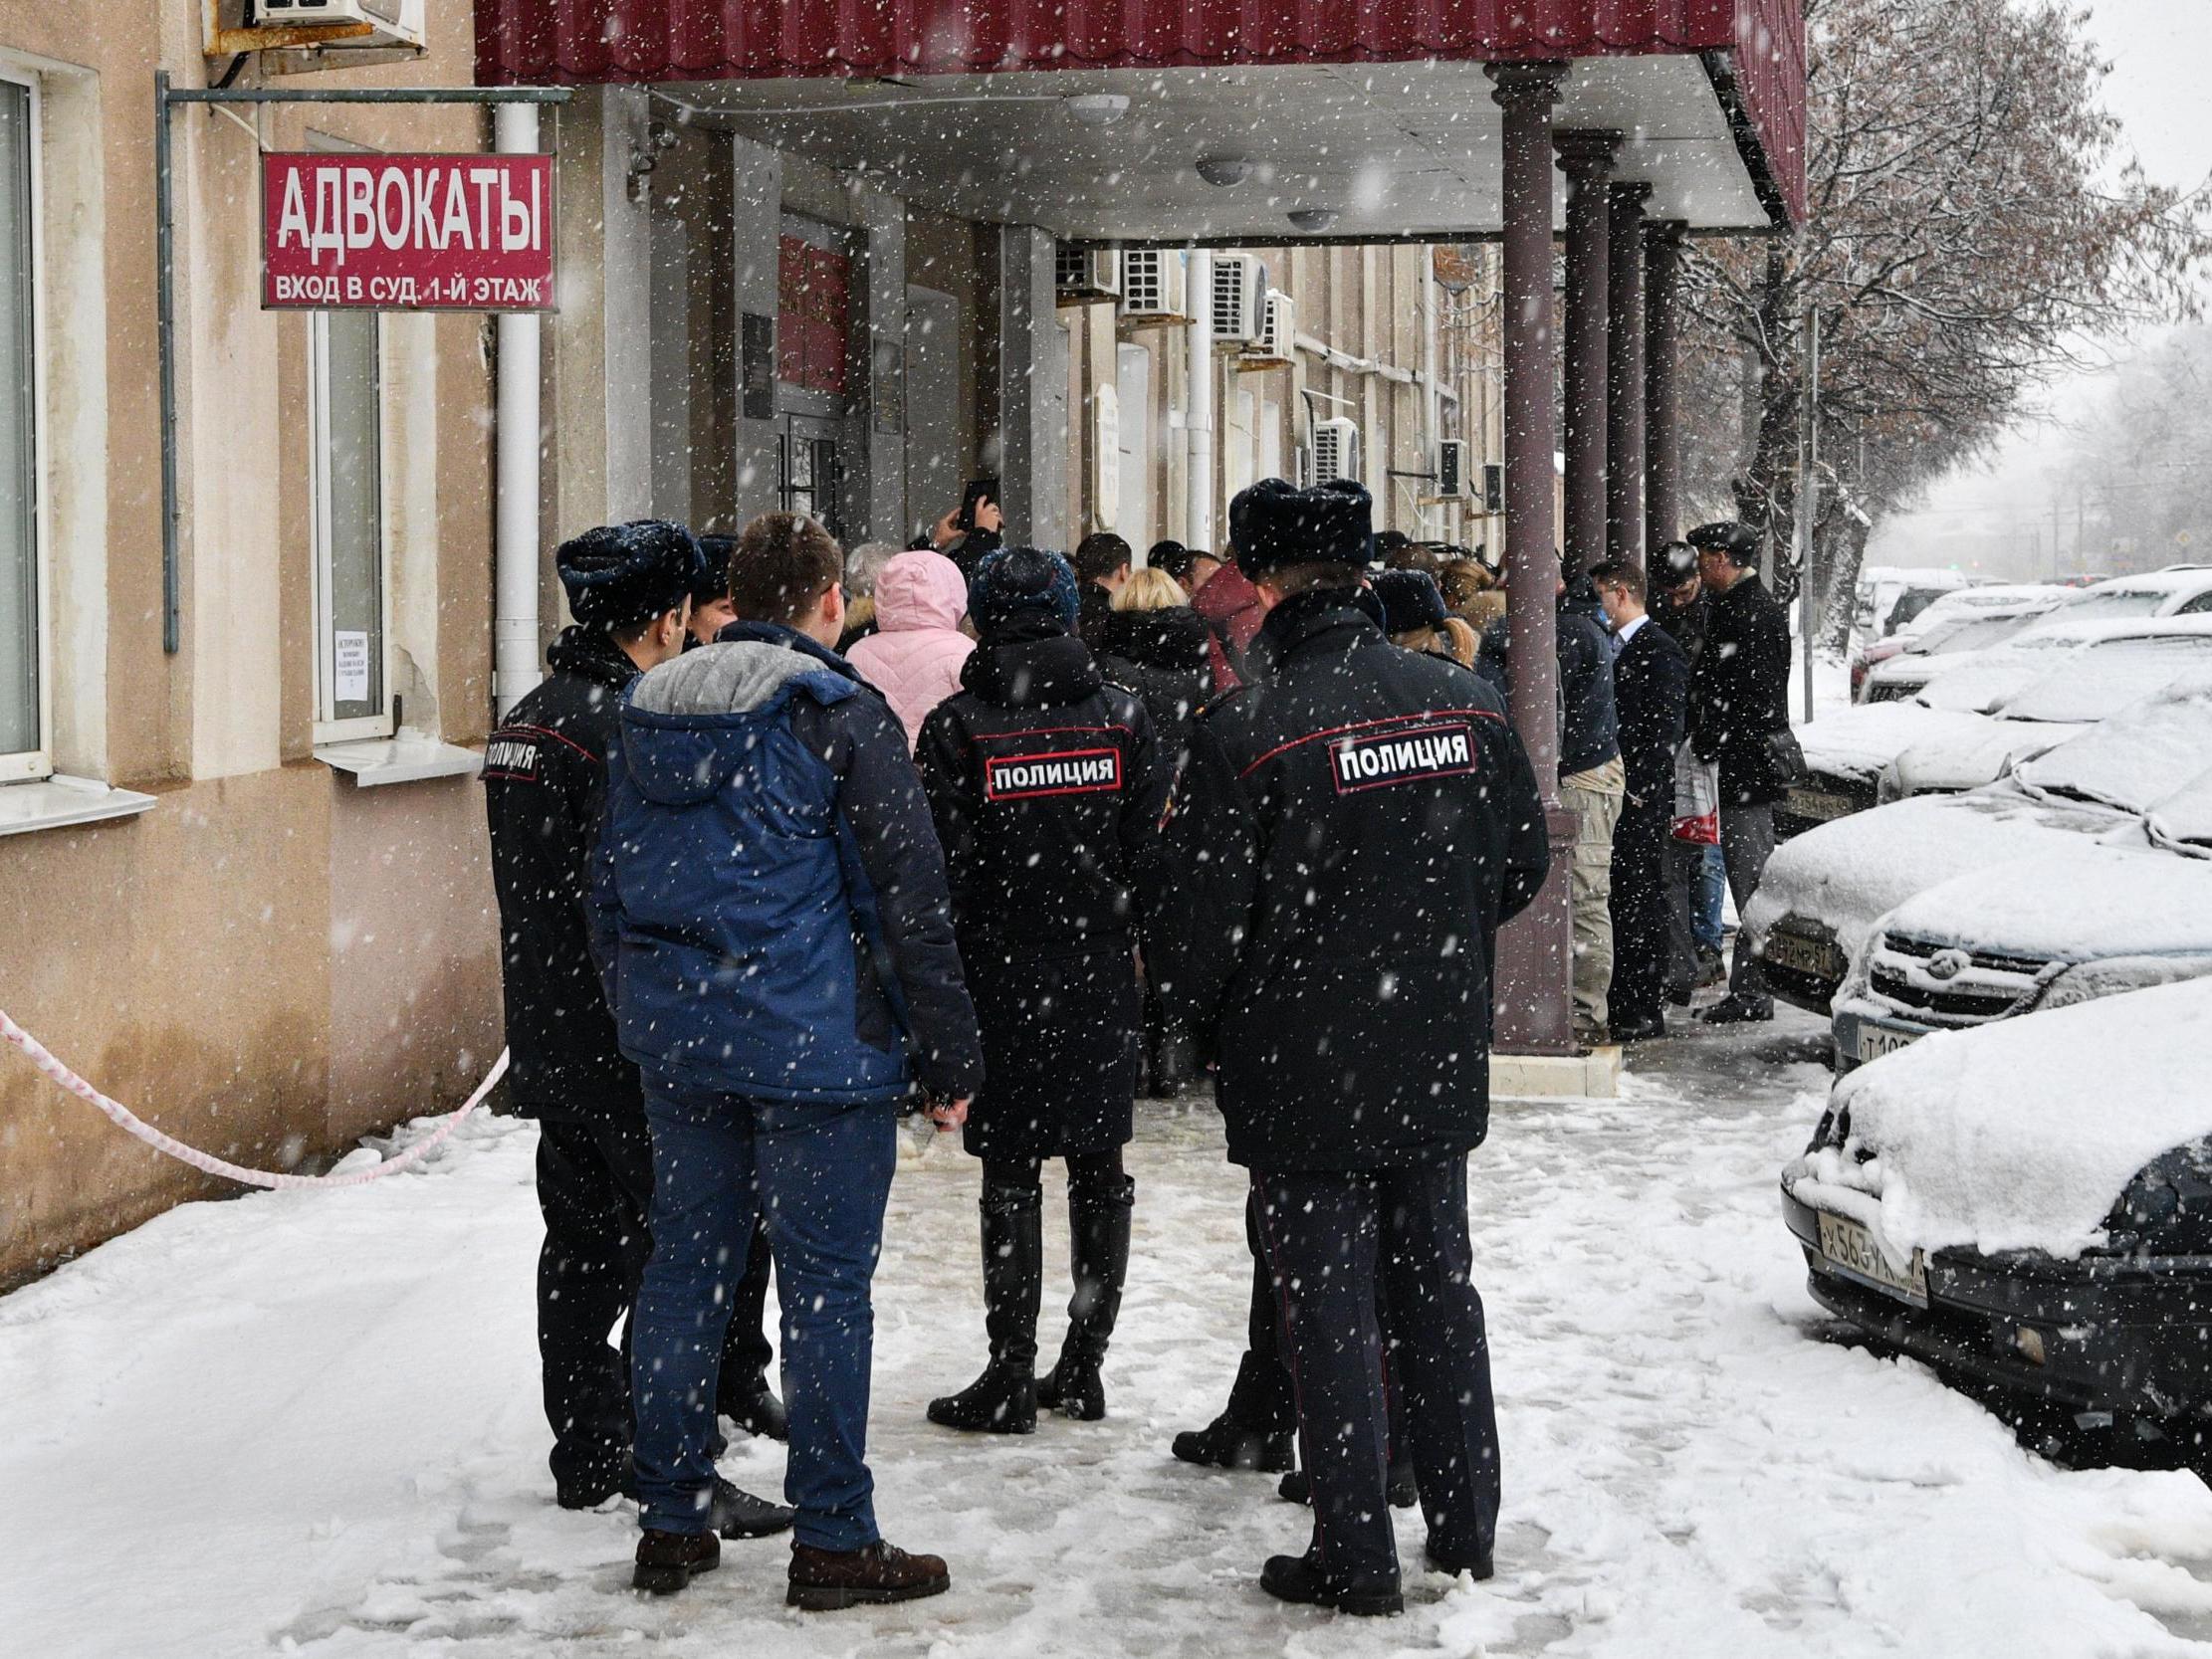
(1003, 1400)
(1098, 1233)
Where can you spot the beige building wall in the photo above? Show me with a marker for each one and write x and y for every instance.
(272, 959)
(1379, 340)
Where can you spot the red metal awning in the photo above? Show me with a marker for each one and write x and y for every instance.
(1753, 49)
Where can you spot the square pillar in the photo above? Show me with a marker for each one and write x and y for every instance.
(1533, 1002)
(1588, 159)
(1032, 391)
(1624, 458)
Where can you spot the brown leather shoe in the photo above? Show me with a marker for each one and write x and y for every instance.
(667, 1561)
(825, 1580)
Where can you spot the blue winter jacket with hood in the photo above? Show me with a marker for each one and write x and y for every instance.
(769, 903)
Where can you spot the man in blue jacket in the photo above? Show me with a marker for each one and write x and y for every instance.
(773, 920)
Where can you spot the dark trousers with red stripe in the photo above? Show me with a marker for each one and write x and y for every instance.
(1332, 1240)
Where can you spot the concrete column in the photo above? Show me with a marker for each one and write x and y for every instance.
(1588, 159)
(1623, 516)
(627, 260)
(1534, 1012)
(883, 512)
(1032, 391)
(756, 222)
(1663, 444)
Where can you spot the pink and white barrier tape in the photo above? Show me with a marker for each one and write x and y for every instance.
(123, 1119)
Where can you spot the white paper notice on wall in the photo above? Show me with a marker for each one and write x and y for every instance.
(350, 664)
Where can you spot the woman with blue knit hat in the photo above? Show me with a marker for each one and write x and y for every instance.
(1046, 785)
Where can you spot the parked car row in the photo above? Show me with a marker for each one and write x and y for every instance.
(2012, 1180)
(1995, 707)
(1887, 919)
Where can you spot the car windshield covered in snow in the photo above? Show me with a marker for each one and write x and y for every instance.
(2106, 678)
(2134, 760)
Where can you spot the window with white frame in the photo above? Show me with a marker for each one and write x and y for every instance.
(353, 578)
(26, 692)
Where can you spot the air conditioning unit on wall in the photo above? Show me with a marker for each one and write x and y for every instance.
(1240, 298)
(1278, 335)
(390, 22)
(1336, 449)
(1152, 286)
(1081, 274)
(1451, 467)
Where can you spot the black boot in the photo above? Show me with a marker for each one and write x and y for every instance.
(1098, 1235)
(1003, 1400)
(1250, 1432)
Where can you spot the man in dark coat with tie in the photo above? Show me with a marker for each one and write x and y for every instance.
(1651, 690)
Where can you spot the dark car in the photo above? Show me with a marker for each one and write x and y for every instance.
(2088, 1293)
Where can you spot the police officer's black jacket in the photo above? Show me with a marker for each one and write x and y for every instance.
(544, 790)
(1739, 690)
(1047, 785)
(1348, 832)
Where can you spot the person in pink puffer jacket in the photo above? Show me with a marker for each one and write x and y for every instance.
(914, 657)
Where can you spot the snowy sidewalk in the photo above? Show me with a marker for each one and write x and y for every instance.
(309, 1422)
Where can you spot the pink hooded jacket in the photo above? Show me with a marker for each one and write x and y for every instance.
(914, 656)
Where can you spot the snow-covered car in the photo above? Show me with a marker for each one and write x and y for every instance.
(1888, 600)
(2086, 687)
(2177, 590)
(2029, 1206)
(1951, 631)
(1890, 596)
(1848, 752)
(1821, 895)
(2073, 924)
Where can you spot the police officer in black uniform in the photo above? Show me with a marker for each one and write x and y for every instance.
(1047, 785)
(544, 784)
(1348, 832)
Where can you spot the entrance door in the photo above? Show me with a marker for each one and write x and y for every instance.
(814, 469)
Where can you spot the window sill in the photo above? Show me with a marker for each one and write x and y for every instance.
(379, 760)
(61, 802)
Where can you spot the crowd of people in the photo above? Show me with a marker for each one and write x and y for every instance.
(792, 841)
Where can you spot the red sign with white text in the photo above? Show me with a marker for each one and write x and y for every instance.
(350, 229)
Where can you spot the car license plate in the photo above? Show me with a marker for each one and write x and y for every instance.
(1820, 805)
(1874, 1041)
(1851, 1248)
(1818, 958)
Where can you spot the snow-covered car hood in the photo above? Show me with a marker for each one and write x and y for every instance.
(2015, 1136)
(2079, 901)
(2182, 821)
(1969, 756)
(1854, 745)
(1846, 874)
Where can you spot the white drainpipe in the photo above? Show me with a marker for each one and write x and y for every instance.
(515, 669)
(1198, 413)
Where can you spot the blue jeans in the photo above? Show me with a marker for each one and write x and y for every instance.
(821, 1175)
(1704, 906)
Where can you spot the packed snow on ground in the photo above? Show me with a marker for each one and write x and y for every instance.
(2021, 1135)
(308, 1423)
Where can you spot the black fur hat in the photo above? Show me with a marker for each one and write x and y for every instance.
(1274, 524)
(619, 574)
